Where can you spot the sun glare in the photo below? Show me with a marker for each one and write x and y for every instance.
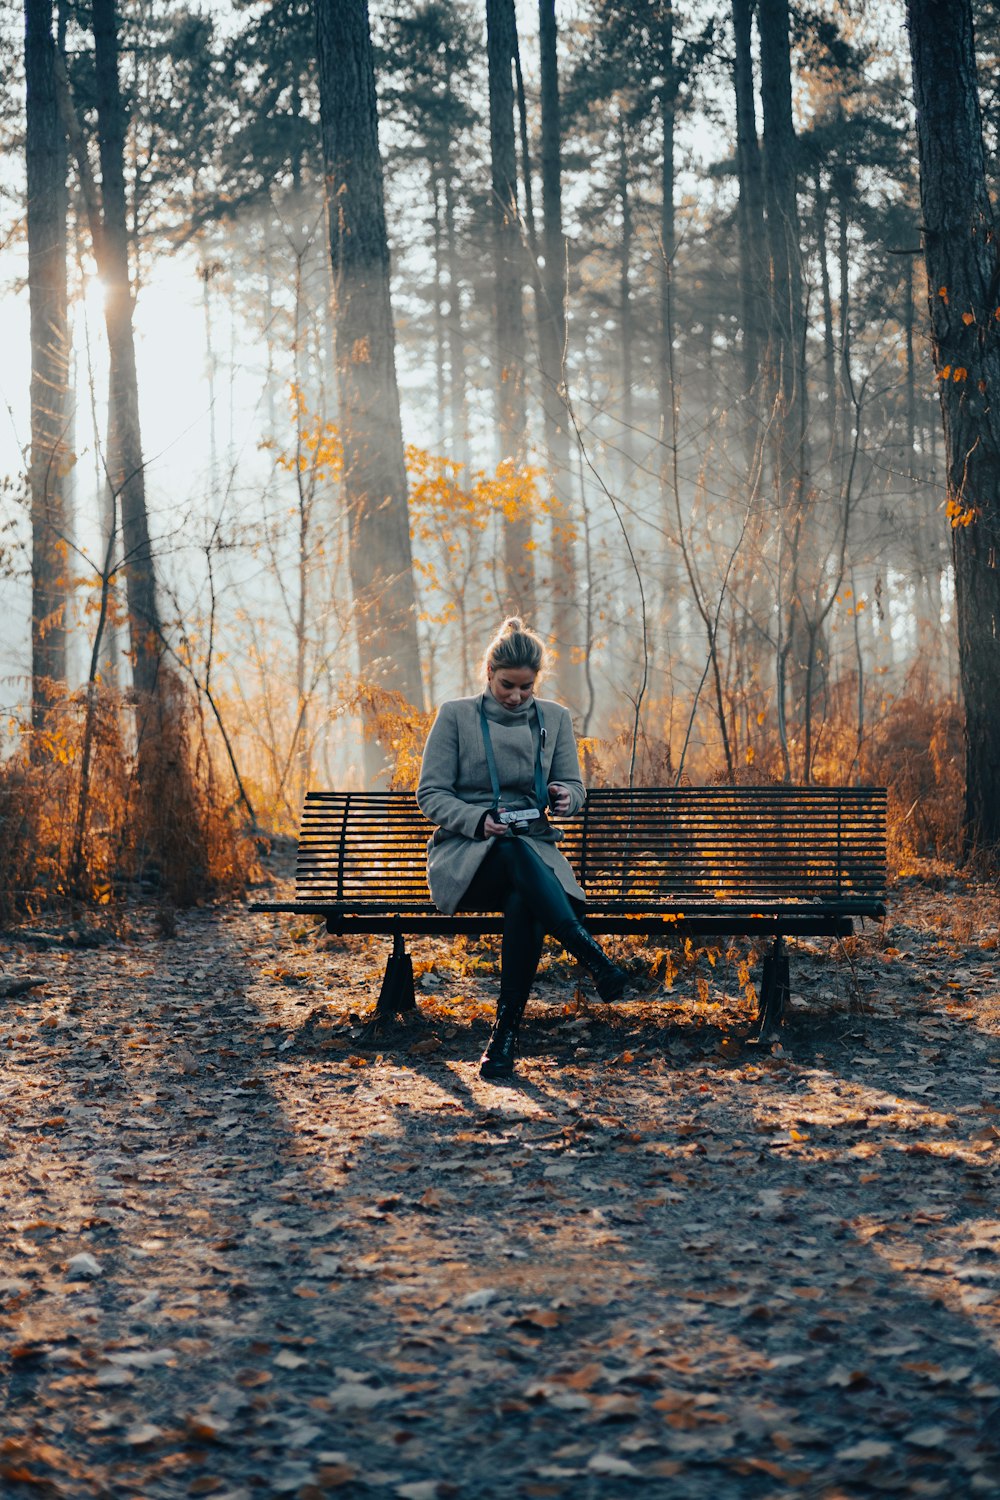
(93, 303)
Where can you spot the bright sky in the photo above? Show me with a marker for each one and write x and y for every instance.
(175, 411)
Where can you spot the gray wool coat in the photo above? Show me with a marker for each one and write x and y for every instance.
(455, 789)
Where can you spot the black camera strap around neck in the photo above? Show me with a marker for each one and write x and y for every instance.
(541, 791)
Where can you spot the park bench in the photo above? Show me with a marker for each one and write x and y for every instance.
(700, 862)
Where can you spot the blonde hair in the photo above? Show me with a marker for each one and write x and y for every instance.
(514, 646)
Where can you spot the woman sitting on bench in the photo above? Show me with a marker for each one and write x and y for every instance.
(492, 767)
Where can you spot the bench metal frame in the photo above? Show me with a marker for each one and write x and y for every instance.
(670, 862)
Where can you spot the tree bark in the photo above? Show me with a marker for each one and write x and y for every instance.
(566, 621)
(751, 204)
(844, 188)
(963, 266)
(663, 605)
(374, 477)
(826, 299)
(911, 387)
(126, 473)
(441, 398)
(668, 229)
(46, 154)
(783, 240)
(456, 338)
(512, 418)
(785, 374)
(457, 404)
(626, 322)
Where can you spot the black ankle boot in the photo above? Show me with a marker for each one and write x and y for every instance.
(610, 979)
(501, 1049)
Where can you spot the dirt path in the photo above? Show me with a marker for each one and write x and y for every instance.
(244, 1258)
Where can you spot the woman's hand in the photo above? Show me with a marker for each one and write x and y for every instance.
(559, 798)
(494, 830)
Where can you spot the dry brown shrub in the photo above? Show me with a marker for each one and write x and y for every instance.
(607, 762)
(915, 751)
(158, 816)
(189, 841)
(918, 753)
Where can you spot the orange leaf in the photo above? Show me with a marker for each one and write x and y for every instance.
(968, 318)
(583, 1379)
(538, 1318)
(960, 373)
(943, 294)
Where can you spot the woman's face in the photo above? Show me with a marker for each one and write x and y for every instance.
(511, 686)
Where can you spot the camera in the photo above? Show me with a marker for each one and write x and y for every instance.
(516, 818)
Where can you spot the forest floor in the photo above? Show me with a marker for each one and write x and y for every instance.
(244, 1257)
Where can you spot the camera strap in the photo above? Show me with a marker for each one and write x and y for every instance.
(541, 791)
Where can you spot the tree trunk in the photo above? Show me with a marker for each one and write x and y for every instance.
(440, 330)
(751, 206)
(126, 473)
(50, 416)
(171, 826)
(668, 230)
(457, 401)
(659, 626)
(785, 356)
(512, 419)
(374, 476)
(844, 187)
(911, 387)
(783, 240)
(626, 323)
(456, 339)
(960, 246)
(566, 621)
(826, 300)
(171, 820)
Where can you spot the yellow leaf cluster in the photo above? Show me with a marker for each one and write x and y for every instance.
(959, 514)
(318, 446)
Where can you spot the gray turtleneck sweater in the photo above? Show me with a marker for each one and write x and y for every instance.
(455, 789)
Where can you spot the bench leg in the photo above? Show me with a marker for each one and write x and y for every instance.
(396, 995)
(774, 993)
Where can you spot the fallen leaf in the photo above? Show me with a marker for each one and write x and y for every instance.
(865, 1451)
(543, 1317)
(609, 1464)
(928, 1437)
(84, 1264)
(286, 1360)
(143, 1434)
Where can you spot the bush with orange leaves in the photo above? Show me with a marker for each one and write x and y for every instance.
(176, 839)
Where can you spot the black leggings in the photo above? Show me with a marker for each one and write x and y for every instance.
(514, 880)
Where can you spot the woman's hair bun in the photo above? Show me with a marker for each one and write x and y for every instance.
(514, 645)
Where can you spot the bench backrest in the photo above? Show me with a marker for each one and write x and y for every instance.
(639, 845)
(768, 842)
(362, 846)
